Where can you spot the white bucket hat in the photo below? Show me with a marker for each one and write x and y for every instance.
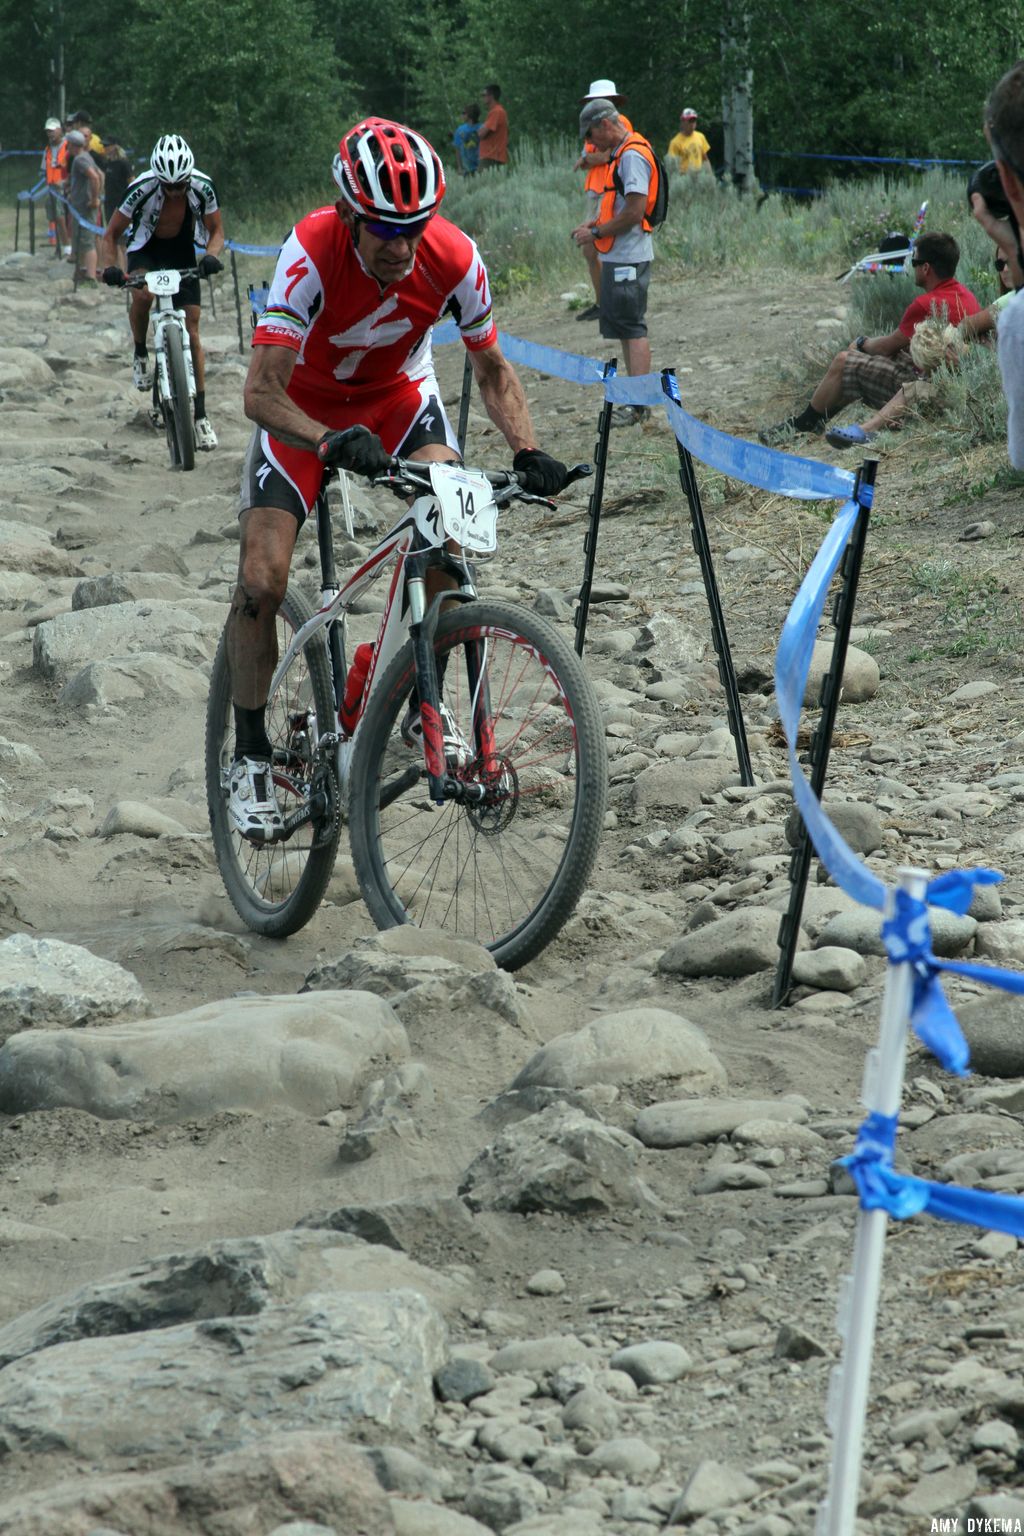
(603, 90)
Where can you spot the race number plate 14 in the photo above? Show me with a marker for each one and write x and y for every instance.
(163, 281)
(468, 513)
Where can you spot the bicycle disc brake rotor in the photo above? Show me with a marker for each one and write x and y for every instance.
(499, 808)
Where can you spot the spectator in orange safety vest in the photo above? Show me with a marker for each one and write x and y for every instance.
(621, 235)
(592, 160)
(54, 167)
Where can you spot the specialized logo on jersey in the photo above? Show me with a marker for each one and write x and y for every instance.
(374, 330)
(263, 474)
(297, 271)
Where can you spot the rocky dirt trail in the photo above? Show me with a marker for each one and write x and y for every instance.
(355, 1233)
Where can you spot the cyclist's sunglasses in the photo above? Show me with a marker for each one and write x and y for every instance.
(380, 230)
(174, 186)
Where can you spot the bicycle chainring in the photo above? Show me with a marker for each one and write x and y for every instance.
(325, 787)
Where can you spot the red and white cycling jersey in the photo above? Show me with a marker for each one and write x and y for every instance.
(353, 341)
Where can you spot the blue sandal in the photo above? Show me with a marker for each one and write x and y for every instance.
(849, 437)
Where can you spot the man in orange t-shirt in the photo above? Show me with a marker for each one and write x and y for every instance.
(493, 130)
(593, 161)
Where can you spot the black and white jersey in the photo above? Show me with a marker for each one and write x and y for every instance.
(145, 198)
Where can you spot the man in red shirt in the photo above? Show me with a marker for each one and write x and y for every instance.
(874, 368)
(341, 375)
(493, 130)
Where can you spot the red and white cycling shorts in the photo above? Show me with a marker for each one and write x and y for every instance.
(406, 417)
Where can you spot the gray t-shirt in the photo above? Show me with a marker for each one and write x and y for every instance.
(1011, 364)
(80, 186)
(634, 245)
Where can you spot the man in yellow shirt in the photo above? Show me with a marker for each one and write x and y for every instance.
(689, 148)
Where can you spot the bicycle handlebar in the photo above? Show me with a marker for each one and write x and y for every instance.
(414, 474)
(138, 279)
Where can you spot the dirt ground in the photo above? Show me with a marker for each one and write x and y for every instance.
(82, 1197)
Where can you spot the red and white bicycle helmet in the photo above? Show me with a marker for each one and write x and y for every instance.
(388, 172)
(172, 160)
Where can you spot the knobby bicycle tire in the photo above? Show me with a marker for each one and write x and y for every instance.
(180, 406)
(508, 873)
(276, 889)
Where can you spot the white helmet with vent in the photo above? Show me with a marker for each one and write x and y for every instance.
(172, 160)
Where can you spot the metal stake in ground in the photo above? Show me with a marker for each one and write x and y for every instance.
(604, 428)
(238, 302)
(467, 390)
(719, 637)
(821, 745)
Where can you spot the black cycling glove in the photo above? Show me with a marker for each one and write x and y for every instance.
(114, 277)
(208, 265)
(356, 449)
(542, 475)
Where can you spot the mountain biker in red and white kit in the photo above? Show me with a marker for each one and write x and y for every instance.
(342, 375)
(168, 211)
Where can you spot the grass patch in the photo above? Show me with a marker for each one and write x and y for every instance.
(976, 612)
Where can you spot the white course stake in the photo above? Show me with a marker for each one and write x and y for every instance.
(859, 1291)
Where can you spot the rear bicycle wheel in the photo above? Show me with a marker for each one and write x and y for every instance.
(523, 723)
(275, 888)
(181, 438)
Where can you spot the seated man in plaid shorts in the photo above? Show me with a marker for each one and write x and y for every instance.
(874, 368)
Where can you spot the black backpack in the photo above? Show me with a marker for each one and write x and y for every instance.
(659, 211)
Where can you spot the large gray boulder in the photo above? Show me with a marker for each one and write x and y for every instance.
(310, 1054)
(329, 1360)
(300, 1475)
(679, 785)
(682, 1122)
(861, 676)
(994, 1030)
(635, 1046)
(739, 944)
(232, 1277)
(48, 982)
(120, 680)
(29, 549)
(862, 930)
(559, 1160)
(62, 646)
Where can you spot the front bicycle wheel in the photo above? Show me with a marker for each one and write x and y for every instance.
(275, 888)
(523, 724)
(181, 437)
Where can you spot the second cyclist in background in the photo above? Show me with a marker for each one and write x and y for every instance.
(168, 211)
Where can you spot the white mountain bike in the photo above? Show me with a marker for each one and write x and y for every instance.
(474, 766)
(174, 382)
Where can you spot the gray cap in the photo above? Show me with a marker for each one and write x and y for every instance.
(596, 111)
(74, 137)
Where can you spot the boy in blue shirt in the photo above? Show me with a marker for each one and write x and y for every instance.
(467, 140)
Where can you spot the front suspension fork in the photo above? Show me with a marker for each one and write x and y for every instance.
(443, 786)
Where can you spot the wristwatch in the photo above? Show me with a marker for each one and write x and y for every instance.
(859, 343)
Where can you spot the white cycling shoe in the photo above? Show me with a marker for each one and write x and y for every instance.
(206, 437)
(455, 744)
(142, 378)
(252, 800)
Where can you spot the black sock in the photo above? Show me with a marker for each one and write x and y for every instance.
(251, 739)
(141, 350)
(200, 403)
(808, 419)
